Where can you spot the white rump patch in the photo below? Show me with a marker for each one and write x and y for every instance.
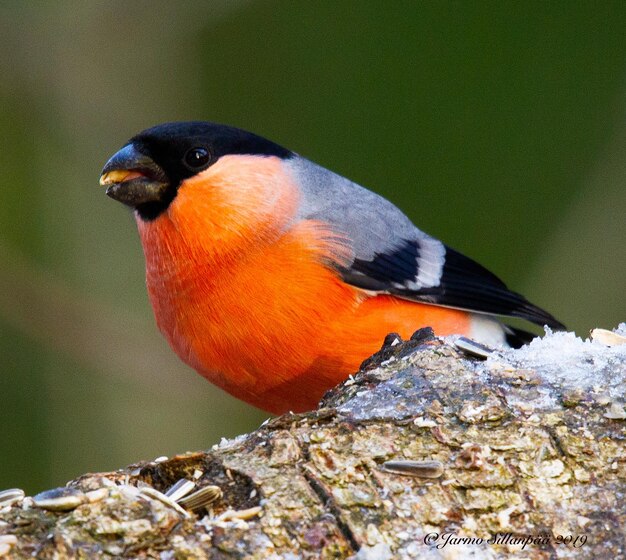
(487, 330)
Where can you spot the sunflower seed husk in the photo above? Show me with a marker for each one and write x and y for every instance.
(97, 495)
(201, 498)
(243, 514)
(180, 489)
(154, 494)
(11, 496)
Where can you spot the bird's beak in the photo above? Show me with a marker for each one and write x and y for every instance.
(133, 178)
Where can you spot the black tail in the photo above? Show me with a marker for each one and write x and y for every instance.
(516, 338)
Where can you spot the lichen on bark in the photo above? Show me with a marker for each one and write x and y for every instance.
(425, 453)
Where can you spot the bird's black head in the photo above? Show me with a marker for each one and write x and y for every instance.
(147, 172)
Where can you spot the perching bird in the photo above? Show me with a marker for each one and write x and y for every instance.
(275, 278)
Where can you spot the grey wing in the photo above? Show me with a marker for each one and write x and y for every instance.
(391, 255)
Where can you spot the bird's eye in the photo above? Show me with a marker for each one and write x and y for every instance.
(197, 157)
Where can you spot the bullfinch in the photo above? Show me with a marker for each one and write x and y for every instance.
(274, 277)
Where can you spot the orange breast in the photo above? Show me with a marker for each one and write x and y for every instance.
(246, 299)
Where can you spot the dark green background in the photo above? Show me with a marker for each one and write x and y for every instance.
(499, 127)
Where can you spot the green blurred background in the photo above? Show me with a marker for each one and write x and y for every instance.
(499, 127)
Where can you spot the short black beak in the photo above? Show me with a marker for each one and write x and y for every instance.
(133, 178)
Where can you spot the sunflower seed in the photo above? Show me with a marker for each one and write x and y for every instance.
(60, 499)
(419, 469)
(473, 348)
(608, 338)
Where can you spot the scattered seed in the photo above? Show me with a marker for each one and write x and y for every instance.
(97, 495)
(473, 348)
(241, 514)
(608, 338)
(616, 412)
(422, 422)
(154, 494)
(180, 489)
(11, 496)
(201, 498)
(27, 503)
(420, 469)
(161, 459)
(6, 544)
(197, 474)
(60, 499)
(130, 492)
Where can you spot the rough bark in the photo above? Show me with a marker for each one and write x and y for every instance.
(426, 453)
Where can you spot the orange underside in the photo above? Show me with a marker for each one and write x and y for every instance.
(270, 323)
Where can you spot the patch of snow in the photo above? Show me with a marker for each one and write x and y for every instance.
(380, 551)
(564, 359)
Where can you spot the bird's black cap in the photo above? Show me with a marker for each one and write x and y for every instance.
(179, 151)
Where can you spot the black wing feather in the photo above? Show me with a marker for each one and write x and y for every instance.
(464, 284)
(397, 266)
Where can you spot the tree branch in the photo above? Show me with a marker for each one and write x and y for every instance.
(427, 451)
